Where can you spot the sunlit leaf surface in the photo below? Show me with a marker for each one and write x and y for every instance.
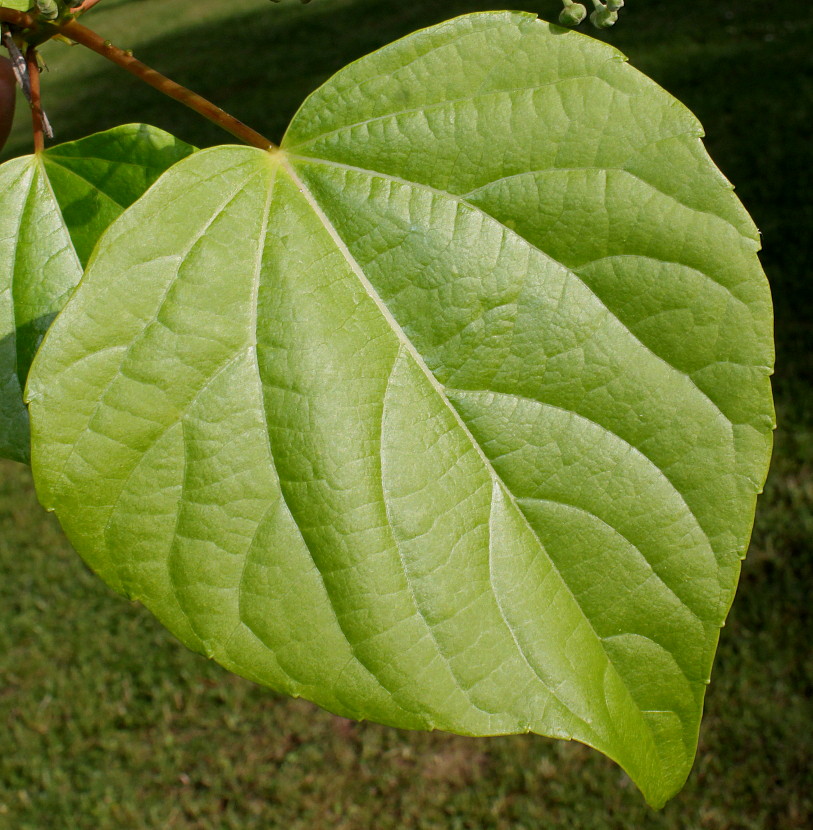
(450, 414)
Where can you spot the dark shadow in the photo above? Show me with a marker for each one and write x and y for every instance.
(20, 346)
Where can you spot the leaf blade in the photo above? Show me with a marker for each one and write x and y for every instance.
(54, 207)
(39, 269)
(362, 438)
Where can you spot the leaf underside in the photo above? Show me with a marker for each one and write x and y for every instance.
(450, 414)
(53, 208)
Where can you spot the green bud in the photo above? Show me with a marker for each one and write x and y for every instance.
(48, 9)
(572, 14)
(603, 18)
(614, 5)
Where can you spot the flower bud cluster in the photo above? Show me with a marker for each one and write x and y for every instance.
(602, 17)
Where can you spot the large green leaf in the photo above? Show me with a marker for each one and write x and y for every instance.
(450, 414)
(53, 208)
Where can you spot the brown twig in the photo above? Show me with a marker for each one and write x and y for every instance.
(81, 34)
(15, 18)
(36, 104)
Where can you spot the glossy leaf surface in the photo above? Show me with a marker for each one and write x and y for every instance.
(450, 414)
(53, 208)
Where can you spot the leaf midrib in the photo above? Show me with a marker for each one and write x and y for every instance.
(462, 200)
(440, 390)
(381, 305)
(394, 323)
(408, 346)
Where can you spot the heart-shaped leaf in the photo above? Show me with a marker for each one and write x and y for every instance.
(450, 414)
(53, 208)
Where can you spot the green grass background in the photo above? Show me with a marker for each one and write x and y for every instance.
(106, 722)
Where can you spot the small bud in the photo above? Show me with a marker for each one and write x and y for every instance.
(572, 14)
(48, 9)
(603, 18)
(614, 5)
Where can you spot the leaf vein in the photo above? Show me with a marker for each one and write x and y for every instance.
(413, 352)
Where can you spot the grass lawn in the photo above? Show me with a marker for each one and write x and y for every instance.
(108, 723)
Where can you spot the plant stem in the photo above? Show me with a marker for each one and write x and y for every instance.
(15, 18)
(81, 34)
(36, 104)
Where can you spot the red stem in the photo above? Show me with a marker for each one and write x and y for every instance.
(36, 104)
(24, 21)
